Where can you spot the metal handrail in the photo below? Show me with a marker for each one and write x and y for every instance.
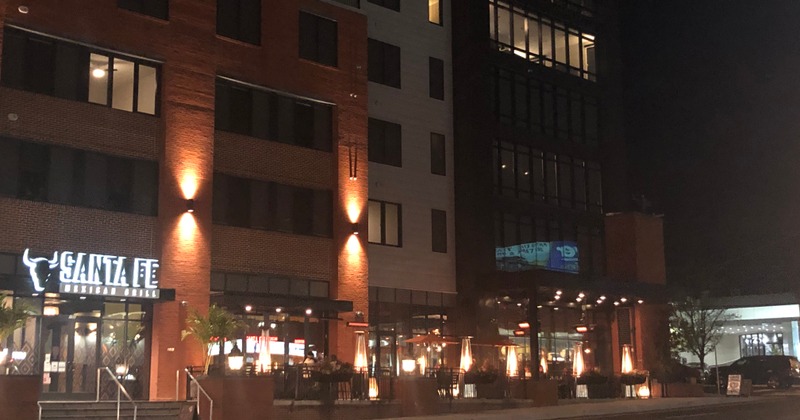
(120, 390)
(200, 387)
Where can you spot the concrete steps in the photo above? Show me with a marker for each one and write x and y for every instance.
(147, 410)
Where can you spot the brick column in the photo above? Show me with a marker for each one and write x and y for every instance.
(186, 172)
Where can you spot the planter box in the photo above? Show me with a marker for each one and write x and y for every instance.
(19, 395)
(542, 392)
(676, 390)
(238, 397)
(418, 396)
(492, 391)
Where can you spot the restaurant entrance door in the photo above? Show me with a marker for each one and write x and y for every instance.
(70, 351)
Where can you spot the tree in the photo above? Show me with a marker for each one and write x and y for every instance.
(696, 328)
(216, 326)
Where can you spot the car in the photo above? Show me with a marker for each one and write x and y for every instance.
(773, 371)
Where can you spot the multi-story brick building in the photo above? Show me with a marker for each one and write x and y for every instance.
(223, 145)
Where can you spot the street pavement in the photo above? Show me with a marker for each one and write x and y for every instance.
(764, 404)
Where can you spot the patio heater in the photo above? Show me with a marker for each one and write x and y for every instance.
(360, 362)
(466, 354)
(264, 356)
(512, 370)
(627, 360)
(577, 360)
(543, 363)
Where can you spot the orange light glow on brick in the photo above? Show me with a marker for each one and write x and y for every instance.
(189, 185)
(353, 247)
(353, 210)
(187, 227)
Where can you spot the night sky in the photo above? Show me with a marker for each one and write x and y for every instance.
(713, 125)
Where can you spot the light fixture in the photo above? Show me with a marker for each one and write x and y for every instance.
(623, 299)
(603, 297)
(558, 292)
(409, 366)
(278, 310)
(308, 311)
(50, 311)
(121, 369)
(235, 358)
(640, 301)
(557, 297)
(98, 73)
(248, 308)
(273, 325)
(524, 325)
(354, 227)
(190, 205)
(23, 9)
(581, 295)
(616, 303)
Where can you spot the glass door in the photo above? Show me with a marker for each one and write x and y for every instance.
(69, 349)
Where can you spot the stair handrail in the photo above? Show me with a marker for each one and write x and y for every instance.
(120, 390)
(201, 389)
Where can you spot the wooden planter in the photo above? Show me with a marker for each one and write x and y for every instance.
(238, 397)
(19, 395)
(542, 392)
(418, 396)
(676, 390)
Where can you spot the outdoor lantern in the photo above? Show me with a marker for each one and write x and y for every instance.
(235, 358)
(360, 362)
(577, 360)
(511, 361)
(121, 369)
(423, 364)
(466, 354)
(409, 365)
(627, 361)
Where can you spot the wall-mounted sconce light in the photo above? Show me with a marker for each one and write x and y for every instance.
(354, 226)
(190, 205)
(352, 152)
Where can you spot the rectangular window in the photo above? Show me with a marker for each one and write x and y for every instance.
(53, 174)
(318, 39)
(272, 116)
(385, 223)
(438, 154)
(385, 142)
(240, 19)
(268, 205)
(438, 230)
(155, 8)
(389, 4)
(435, 11)
(384, 63)
(540, 40)
(58, 68)
(436, 78)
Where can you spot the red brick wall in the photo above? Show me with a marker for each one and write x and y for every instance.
(183, 139)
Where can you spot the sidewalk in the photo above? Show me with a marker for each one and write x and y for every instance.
(587, 408)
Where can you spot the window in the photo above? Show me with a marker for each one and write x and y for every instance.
(435, 11)
(438, 230)
(272, 116)
(560, 180)
(541, 107)
(240, 19)
(60, 175)
(389, 4)
(318, 39)
(268, 284)
(155, 8)
(57, 68)
(385, 144)
(385, 223)
(438, 154)
(541, 40)
(384, 63)
(254, 204)
(436, 80)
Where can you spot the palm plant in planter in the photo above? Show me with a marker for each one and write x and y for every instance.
(11, 318)
(208, 329)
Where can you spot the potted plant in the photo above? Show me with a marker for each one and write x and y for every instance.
(217, 325)
(597, 385)
(633, 378)
(18, 393)
(234, 396)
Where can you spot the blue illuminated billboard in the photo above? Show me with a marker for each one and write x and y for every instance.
(556, 255)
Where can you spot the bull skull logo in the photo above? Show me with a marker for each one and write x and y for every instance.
(40, 269)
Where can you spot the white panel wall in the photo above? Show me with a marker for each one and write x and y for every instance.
(414, 266)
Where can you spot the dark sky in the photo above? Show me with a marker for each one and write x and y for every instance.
(713, 125)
